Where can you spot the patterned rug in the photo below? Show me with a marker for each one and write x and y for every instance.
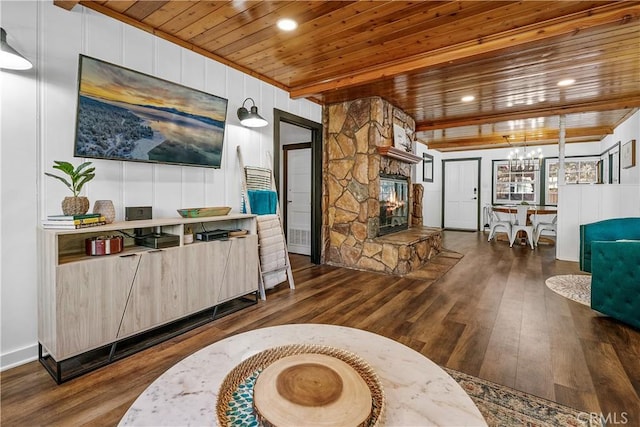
(505, 407)
(576, 287)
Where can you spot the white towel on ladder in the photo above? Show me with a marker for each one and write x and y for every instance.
(273, 259)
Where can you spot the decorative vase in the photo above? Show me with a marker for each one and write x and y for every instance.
(106, 209)
(75, 205)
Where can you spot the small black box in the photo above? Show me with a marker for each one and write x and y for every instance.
(158, 241)
(206, 236)
(135, 213)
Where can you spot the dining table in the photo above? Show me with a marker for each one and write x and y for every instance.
(532, 210)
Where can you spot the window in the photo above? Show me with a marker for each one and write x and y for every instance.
(514, 186)
(582, 170)
(427, 167)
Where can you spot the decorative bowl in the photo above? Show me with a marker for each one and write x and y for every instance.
(202, 212)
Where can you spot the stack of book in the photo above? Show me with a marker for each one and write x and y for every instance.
(70, 222)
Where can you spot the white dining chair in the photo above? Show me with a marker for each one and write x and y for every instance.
(541, 224)
(495, 221)
(519, 223)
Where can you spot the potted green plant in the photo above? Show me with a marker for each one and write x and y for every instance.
(77, 178)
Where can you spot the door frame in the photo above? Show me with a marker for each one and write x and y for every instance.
(316, 171)
(479, 201)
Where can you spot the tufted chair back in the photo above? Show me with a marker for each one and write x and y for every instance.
(615, 281)
(606, 230)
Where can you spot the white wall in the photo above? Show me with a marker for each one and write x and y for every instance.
(38, 109)
(19, 161)
(292, 134)
(625, 132)
(583, 204)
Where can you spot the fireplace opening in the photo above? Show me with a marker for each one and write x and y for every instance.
(394, 203)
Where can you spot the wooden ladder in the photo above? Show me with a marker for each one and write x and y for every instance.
(263, 179)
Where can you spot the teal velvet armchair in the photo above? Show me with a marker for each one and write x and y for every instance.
(610, 250)
(606, 230)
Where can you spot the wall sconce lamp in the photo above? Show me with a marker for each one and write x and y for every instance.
(10, 59)
(251, 119)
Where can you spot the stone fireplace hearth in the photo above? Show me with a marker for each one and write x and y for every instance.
(354, 131)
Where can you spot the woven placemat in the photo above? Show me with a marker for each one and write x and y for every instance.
(235, 397)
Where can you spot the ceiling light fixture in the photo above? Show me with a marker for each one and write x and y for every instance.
(566, 82)
(10, 59)
(286, 24)
(467, 98)
(523, 161)
(251, 118)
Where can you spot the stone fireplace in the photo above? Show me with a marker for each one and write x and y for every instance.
(359, 227)
(394, 204)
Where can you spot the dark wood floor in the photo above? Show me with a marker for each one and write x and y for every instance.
(490, 316)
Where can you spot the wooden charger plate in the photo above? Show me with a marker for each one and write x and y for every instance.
(295, 385)
(311, 390)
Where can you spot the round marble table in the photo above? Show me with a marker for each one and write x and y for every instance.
(418, 392)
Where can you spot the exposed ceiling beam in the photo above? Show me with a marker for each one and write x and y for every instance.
(65, 4)
(497, 140)
(445, 148)
(528, 113)
(617, 12)
(630, 113)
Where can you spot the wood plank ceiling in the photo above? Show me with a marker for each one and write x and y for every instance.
(425, 56)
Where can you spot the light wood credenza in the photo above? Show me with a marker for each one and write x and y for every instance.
(93, 310)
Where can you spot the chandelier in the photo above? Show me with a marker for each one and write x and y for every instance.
(525, 160)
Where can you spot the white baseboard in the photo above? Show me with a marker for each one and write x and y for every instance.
(18, 357)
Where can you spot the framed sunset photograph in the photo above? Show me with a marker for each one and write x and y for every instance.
(127, 115)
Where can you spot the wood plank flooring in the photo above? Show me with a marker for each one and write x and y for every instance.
(490, 316)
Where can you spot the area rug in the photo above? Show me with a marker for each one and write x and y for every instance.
(576, 287)
(506, 407)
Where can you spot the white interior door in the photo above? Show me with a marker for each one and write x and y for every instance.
(299, 201)
(461, 192)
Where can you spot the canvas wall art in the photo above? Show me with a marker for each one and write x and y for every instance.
(127, 115)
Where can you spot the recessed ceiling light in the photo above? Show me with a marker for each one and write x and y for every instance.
(566, 82)
(286, 24)
(468, 98)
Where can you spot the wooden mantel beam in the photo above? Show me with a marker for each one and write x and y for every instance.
(611, 13)
(66, 4)
(528, 113)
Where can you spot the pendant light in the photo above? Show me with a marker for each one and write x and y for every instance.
(10, 59)
(524, 161)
